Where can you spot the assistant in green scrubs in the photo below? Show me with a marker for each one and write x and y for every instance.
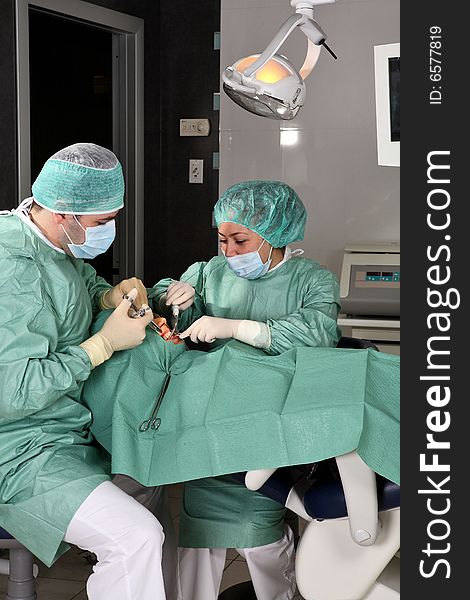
(262, 294)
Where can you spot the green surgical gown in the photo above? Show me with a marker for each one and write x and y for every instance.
(299, 301)
(48, 463)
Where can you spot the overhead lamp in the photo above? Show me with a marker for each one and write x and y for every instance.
(267, 84)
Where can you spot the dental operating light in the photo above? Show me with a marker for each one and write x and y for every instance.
(267, 84)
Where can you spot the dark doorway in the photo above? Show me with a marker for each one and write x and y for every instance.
(71, 95)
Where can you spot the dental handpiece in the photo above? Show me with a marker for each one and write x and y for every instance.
(175, 311)
(138, 312)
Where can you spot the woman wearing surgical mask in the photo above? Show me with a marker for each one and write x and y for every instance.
(262, 293)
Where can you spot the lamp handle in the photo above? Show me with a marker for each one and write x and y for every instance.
(310, 28)
(292, 22)
(313, 31)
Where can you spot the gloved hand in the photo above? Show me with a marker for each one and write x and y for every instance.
(119, 332)
(208, 329)
(181, 294)
(112, 298)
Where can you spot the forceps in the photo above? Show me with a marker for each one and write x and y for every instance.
(153, 422)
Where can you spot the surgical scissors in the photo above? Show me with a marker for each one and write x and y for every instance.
(154, 422)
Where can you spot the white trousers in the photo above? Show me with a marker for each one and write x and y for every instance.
(127, 540)
(156, 501)
(271, 568)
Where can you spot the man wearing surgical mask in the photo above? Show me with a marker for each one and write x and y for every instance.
(55, 486)
(262, 293)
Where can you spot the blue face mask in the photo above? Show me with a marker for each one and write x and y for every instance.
(249, 265)
(97, 240)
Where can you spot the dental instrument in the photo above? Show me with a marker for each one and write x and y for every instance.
(153, 422)
(175, 311)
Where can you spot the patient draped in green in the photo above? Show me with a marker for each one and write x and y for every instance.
(235, 408)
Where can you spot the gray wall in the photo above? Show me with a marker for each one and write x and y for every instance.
(333, 162)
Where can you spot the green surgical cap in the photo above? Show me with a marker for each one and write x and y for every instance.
(80, 179)
(271, 209)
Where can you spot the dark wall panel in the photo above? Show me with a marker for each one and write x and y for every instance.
(179, 45)
(8, 185)
(181, 74)
(190, 75)
(149, 10)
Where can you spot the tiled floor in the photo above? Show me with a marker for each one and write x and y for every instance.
(66, 579)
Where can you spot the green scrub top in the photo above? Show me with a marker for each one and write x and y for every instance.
(48, 463)
(299, 301)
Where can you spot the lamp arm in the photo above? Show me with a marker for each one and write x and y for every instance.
(284, 31)
(313, 54)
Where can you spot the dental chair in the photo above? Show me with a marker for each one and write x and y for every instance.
(349, 548)
(20, 569)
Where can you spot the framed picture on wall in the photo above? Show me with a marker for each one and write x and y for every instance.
(387, 103)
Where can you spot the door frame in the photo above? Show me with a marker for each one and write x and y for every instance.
(128, 111)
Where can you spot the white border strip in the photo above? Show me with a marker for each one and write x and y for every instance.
(388, 152)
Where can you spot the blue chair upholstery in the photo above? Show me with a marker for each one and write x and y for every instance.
(4, 535)
(325, 499)
(21, 582)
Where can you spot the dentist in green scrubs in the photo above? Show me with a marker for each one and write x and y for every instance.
(55, 486)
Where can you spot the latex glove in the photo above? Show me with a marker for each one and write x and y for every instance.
(181, 294)
(209, 329)
(112, 298)
(119, 332)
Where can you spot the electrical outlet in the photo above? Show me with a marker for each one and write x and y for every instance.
(196, 170)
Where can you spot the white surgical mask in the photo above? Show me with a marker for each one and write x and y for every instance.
(249, 265)
(97, 240)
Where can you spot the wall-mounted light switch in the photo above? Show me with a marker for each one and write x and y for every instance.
(196, 170)
(195, 127)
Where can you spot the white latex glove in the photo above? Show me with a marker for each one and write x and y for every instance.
(119, 332)
(112, 298)
(181, 294)
(209, 329)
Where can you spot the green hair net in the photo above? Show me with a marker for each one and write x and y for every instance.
(271, 209)
(80, 179)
